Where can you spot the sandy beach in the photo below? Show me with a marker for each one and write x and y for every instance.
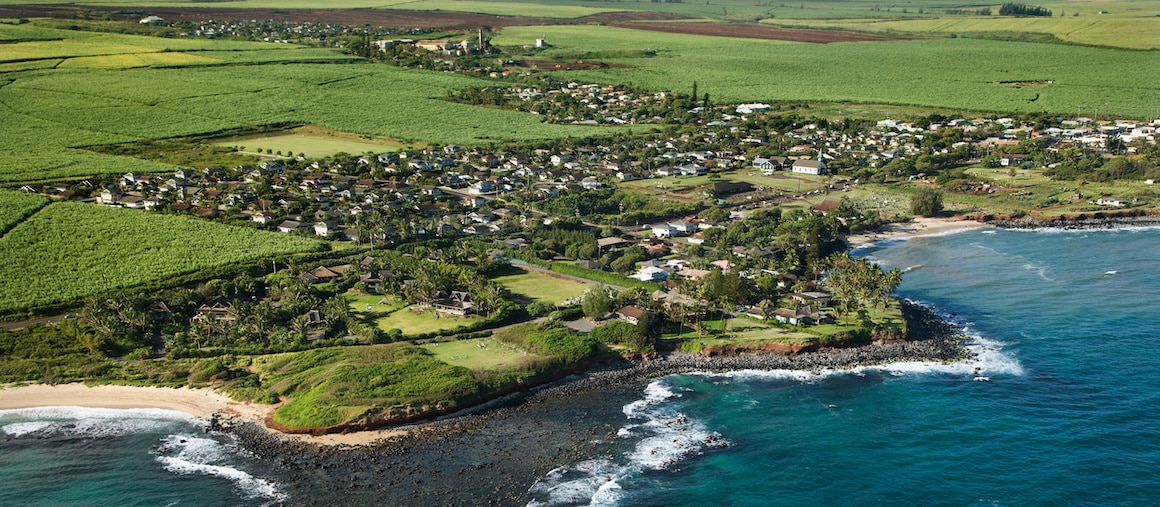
(920, 226)
(202, 403)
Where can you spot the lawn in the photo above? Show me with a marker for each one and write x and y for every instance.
(539, 286)
(479, 355)
(412, 320)
(907, 72)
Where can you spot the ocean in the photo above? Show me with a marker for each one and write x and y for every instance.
(1056, 407)
(1061, 411)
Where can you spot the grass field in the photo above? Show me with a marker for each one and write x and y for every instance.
(313, 142)
(67, 251)
(389, 312)
(336, 385)
(916, 72)
(425, 321)
(539, 286)
(479, 355)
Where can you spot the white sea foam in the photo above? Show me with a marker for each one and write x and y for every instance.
(189, 454)
(89, 422)
(666, 438)
(592, 482)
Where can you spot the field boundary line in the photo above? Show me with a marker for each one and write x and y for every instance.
(30, 214)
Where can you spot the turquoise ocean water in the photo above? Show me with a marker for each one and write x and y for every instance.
(1065, 325)
(57, 456)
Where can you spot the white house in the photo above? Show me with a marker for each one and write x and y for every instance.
(663, 230)
(814, 167)
(650, 274)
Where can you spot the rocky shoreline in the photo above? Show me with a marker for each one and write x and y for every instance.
(1093, 220)
(492, 454)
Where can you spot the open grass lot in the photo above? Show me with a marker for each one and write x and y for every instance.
(412, 320)
(336, 385)
(538, 286)
(68, 250)
(740, 330)
(929, 72)
(312, 144)
(389, 312)
(484, 354)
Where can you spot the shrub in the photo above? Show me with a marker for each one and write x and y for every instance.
(926, 202)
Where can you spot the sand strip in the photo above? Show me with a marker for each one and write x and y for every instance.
(202, 403)
(920, 226)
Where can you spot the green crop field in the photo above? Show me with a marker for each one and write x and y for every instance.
(539, 286)
(68, 250)
(16, 206)
(960, 73)
(1133, 25)
(51, 113)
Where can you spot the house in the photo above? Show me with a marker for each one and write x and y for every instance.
(821, 299)
(682, 227)
(722, 264)
(814, 167)
(326, 228)
(1110, 201)
(633, 315)
(322, 274)
(289, 226)
(611, 242)
(723, 188)
(456, 303)
(215, 311)
(801, 316)
(650, 274)
(663, 230)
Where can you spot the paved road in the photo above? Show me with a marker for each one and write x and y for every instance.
(26, 323)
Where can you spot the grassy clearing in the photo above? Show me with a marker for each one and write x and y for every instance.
(917, 72)
(479, 355)
(413, 320)
(70, 250)
(334, 386)
(313, 143)
(538, 286)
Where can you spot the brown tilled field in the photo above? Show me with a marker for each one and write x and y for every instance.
(754, 31)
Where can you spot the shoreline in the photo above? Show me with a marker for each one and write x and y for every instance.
(917, 227)
(934, 340)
